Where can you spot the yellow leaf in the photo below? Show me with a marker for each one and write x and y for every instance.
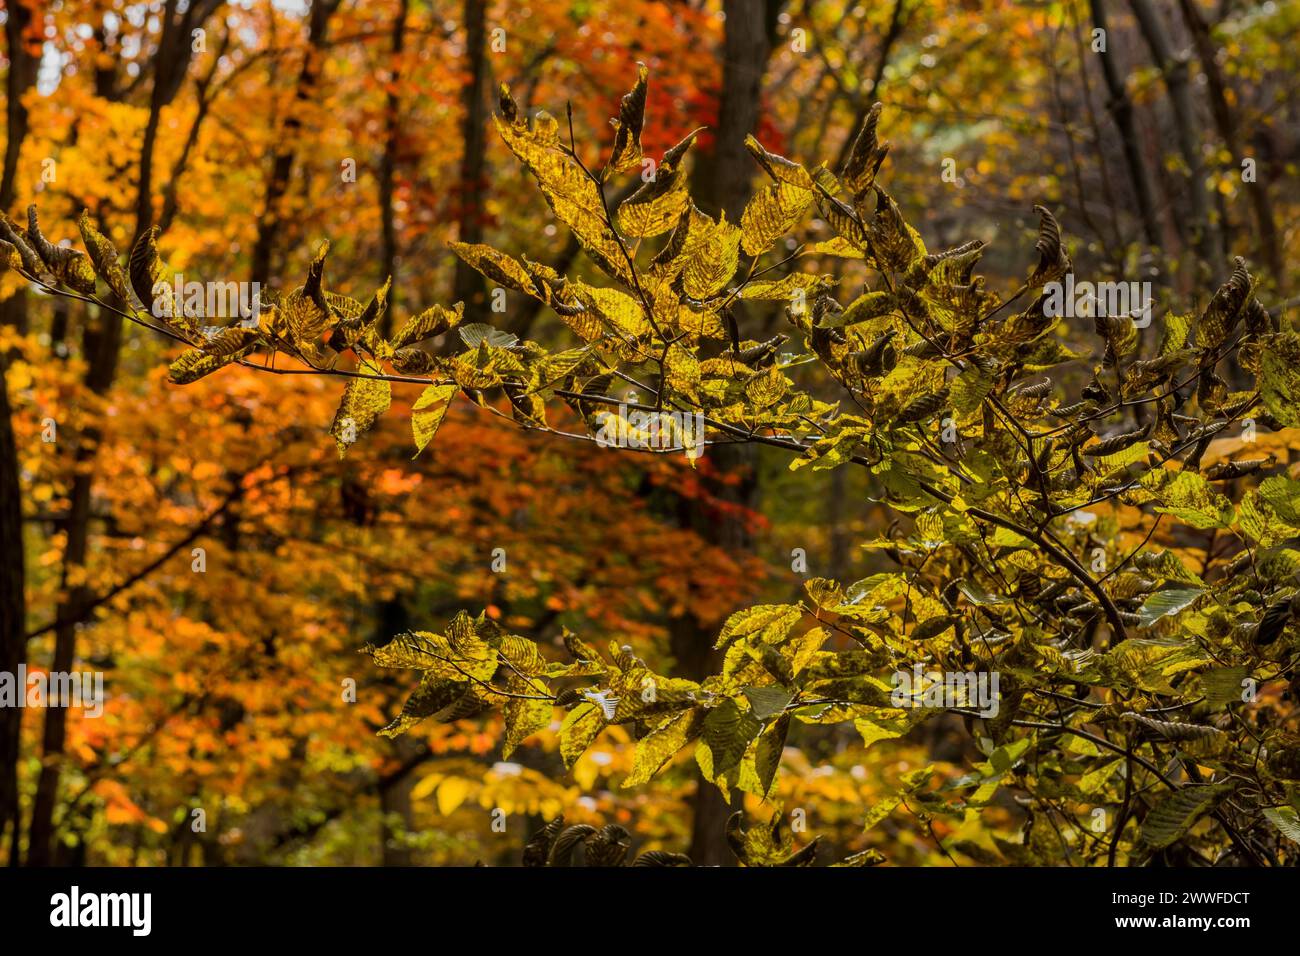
(452, 794)
(656, 207)
(657, 748)
(713, 260)
(581, 726)
(627, 127)
(364, 400)
(428, 412)
(770, 214)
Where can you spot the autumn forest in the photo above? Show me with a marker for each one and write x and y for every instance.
(572, 433)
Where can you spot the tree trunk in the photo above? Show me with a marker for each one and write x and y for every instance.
(278, 185)
(13, 603)
(388, 168)
(724, 183)
(468, 284)
(1265, 223)
(1206, 236)
(1120, 108)
(13, 615)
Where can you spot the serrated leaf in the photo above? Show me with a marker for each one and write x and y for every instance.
(785, 288)
(432, 321)
(713, 259)
(496, 266)
(772, 622)
(657, 748)
(476, 333)
(193, 364)
(1286, 820)
(766, 702)
(1169, 601)
(580, 727)
(364, 401)
(433, 695)
(771, 213)
(149, 280)
(1170, 819)
(104, 259)
(524, 715)
(728, 731)
(1189, 497)
(627, 127)
(656, 207)
(1279, 377)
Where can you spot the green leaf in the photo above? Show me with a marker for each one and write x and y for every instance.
(1224, 685)
(728, 731)
(1188, 496)
(1279, 377)
(767, 754)
(1170, 819)
(1094, 780)
(1282, 494)
(912, 782)
(879, 810)
(1286, 820)
(767, 701)
(1169, 601)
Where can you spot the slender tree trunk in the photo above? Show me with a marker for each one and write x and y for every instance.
(13, 605)
(724, 183)
(1120, 108)
(388, 166)
(21, 76)
(144, 198)
(1206, 236)
(468, 284)
(286, 152)
(13, 615)
(101, 346)
(1265, 222)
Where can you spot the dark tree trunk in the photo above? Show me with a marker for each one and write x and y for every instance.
(1265, 222)
(1207, 237)
(287, 150)
(1120, 108)
(13, 615)
(13, 605)
(468, 284)
(723, 182)
(388, 167)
